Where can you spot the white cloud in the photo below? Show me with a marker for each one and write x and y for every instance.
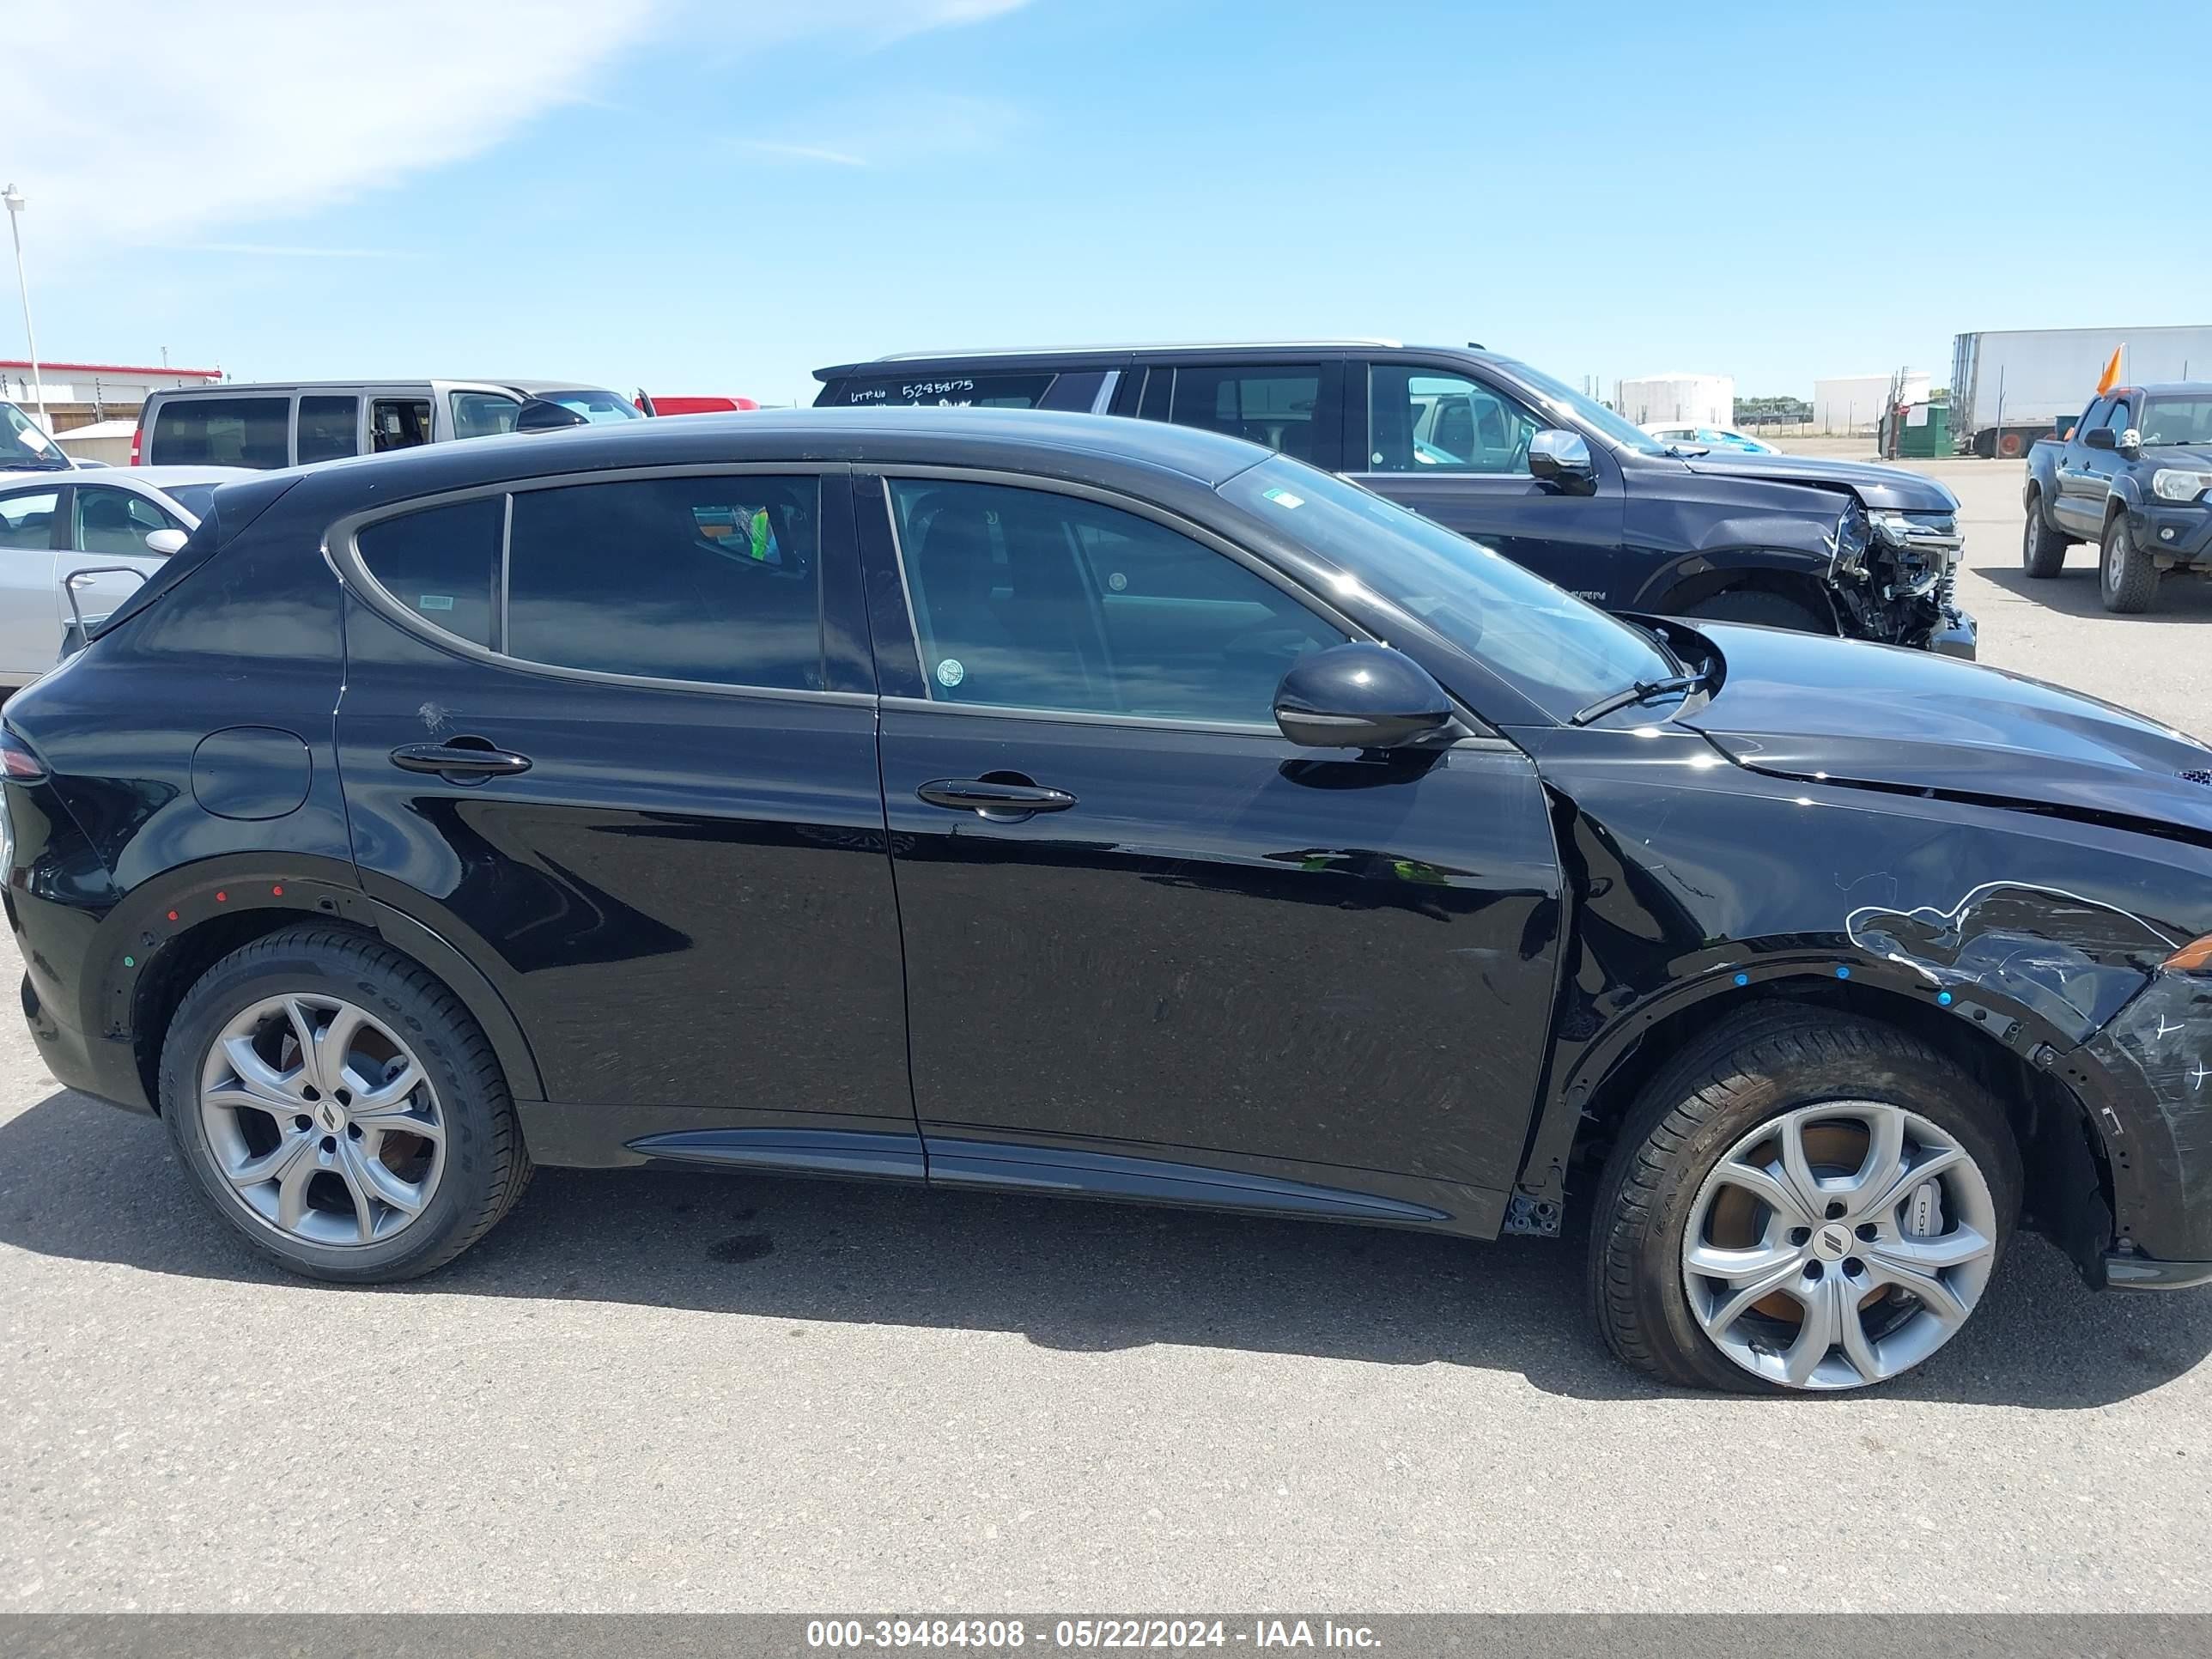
(132, 121)
(803, 152)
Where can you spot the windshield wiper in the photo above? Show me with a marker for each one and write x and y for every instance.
(1642, 691)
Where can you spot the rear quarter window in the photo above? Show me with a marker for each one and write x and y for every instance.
(222, 432)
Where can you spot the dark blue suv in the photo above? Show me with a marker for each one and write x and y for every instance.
(1502, 453)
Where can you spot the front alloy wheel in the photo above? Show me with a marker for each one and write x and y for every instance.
(322, 1119)
(1838, 1245)
(1801, 1200)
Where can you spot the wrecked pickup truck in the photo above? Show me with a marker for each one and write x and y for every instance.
(1514, 458)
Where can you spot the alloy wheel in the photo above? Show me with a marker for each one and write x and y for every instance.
(322, 1119)
(1838, 1245)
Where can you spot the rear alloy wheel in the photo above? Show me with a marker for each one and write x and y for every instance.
(2042, 549)
(1800, 1200)
(2128, 579)
(341, 1108)
(322, 1119)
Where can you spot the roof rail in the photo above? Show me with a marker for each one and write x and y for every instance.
(1139, 345)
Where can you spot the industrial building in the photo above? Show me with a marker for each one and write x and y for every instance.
(79, 394)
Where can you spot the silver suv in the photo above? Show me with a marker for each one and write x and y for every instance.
(276, 425)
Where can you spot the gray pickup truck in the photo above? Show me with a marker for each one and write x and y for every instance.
(2134, 476)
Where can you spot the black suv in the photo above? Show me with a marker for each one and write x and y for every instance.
(1499, 452)
(1030, 802)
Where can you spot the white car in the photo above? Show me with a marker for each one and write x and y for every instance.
(1689, 434)
(52, 524)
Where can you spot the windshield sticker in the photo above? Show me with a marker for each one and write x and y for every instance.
(1282, 497)
(434, 602)
(950, 673)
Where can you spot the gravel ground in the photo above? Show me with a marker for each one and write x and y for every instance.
(691, 1392)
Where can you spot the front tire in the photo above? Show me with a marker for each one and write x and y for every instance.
(1799, 1202)
(2128, 580)
(340, 1108)
(2042, 549)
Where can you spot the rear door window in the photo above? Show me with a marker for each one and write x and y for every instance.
(330, 429)
(27, 520)
(944, 390)
(714, 579)
(222, 432)
(1280, 406)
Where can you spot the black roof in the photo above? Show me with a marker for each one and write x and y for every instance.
(1096, 448)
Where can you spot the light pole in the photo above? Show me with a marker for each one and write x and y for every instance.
(13, 198)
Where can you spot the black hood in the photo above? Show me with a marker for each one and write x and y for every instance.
(2199, 456)
(1808, 707)
(1877, 487)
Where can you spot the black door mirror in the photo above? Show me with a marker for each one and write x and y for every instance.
(2100, 437)
(542, 415)
(1361, 696)
(1562, 458)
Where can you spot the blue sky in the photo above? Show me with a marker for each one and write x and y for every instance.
(696, 196)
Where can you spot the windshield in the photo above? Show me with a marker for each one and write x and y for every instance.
(23, 448)
(596, 407)
(2177, 420)
(1619, 430)
(1560, 653)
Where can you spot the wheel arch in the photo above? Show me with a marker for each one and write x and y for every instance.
(2006, 1047)
(167, 933)
(1692, 580)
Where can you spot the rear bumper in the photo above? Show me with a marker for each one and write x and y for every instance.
(93, 1065)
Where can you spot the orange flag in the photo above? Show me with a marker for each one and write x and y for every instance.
(2110, 377)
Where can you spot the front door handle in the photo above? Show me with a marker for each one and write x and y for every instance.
(461, 759)
(1006, 799)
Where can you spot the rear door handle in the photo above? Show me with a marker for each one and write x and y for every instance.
(995, 797)
(474, 759)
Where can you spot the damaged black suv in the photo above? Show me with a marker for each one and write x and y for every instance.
(1053, 803)
(1503, 454)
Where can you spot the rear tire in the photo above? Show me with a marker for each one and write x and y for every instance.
(1757, 1077)
(421, 1152)
(1756, 604)
(2128, 580)
(2042, 549)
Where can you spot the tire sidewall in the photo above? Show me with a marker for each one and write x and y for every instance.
(1760, 1097)
(2112, 568)
(307, 967)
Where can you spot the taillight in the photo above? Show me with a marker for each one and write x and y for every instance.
(17, 761)
(138, 437)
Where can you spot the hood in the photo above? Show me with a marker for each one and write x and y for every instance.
(2179, 455)
(1807, 707)
(1877, 487)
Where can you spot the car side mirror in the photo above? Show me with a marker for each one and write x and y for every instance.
(542, 415)
(1562, 458)
(1361, 696)
(163, 543)
(2100, 437)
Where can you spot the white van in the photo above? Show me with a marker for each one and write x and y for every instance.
(269, 426)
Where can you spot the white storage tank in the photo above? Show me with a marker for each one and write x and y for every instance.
(1704, 399)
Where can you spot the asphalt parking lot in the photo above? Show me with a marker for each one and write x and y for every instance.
(673, 1391)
